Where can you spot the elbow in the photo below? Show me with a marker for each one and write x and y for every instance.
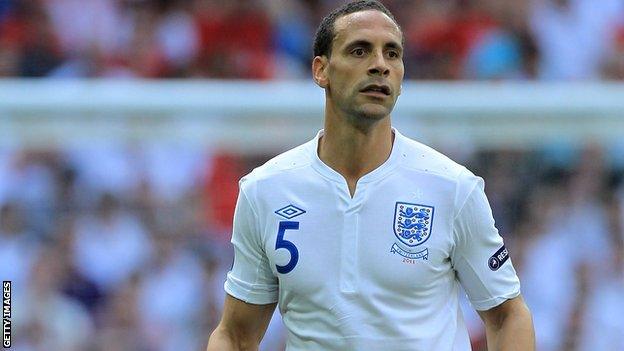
(510, 326)
(515, 310)
(224, 339)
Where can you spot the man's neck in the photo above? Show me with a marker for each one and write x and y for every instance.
(354, 152)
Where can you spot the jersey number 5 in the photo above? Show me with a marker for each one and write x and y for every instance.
(288, 245)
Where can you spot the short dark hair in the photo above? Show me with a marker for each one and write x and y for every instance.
(325, 33)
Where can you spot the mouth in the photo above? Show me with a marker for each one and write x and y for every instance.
(376, 90)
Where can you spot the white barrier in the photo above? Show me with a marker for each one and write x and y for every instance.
(269, 116)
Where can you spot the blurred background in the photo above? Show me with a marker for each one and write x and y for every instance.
(126, 124)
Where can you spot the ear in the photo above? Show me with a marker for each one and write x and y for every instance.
(319, 71)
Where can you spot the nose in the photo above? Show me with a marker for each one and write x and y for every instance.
(379, 66)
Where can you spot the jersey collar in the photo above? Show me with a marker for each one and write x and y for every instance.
(378, 173)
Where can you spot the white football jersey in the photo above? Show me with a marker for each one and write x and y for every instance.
(379, 270)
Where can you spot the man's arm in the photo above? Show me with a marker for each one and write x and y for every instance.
(242, 326)
(509, 326)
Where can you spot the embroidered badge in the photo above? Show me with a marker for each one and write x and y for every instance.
(412, 227)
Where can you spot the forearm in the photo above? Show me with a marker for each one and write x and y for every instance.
(221, 340)
(514, 332)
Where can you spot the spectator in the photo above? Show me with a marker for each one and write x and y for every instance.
(602, 327)
(292, 33)
(119, 320)
(235, 40)
(111, 245)
(19, 248)
(171, 297)
(47, 319)
(573, 36)
(543, 257)
(85, 31)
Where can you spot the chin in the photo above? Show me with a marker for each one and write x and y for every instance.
(373, 111)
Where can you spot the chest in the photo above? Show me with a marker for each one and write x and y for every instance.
(393, 235)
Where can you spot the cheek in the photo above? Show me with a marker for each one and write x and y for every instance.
(340, 85)
(342, 75)
(399, 70)
(398, 78)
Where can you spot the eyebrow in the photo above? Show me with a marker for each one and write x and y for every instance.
(394, 45)
(368, 44)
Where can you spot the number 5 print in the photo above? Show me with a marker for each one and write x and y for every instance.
(288, 245)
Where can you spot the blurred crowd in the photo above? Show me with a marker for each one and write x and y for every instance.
(125, 247)
(115, 248)
(272, 39)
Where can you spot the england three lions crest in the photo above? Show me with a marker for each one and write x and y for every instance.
(412, 227)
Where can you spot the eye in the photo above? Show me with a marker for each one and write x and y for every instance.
(358, 52)
(393, 54)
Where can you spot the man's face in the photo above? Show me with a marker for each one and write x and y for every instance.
(365, 70)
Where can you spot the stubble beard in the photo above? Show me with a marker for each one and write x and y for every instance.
(357, 114)
(364, 116)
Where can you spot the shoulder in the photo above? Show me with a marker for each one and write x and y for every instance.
(279, 166)
(420, 157)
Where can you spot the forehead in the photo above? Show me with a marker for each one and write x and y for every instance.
(366, 25)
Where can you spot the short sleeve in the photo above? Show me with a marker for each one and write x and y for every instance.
(250, 278)
(479, 257)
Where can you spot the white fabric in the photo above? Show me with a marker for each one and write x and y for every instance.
(348, 290)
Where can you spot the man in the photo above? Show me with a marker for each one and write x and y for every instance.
(361, 234)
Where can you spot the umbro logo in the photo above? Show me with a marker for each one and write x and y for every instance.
(290, 212)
